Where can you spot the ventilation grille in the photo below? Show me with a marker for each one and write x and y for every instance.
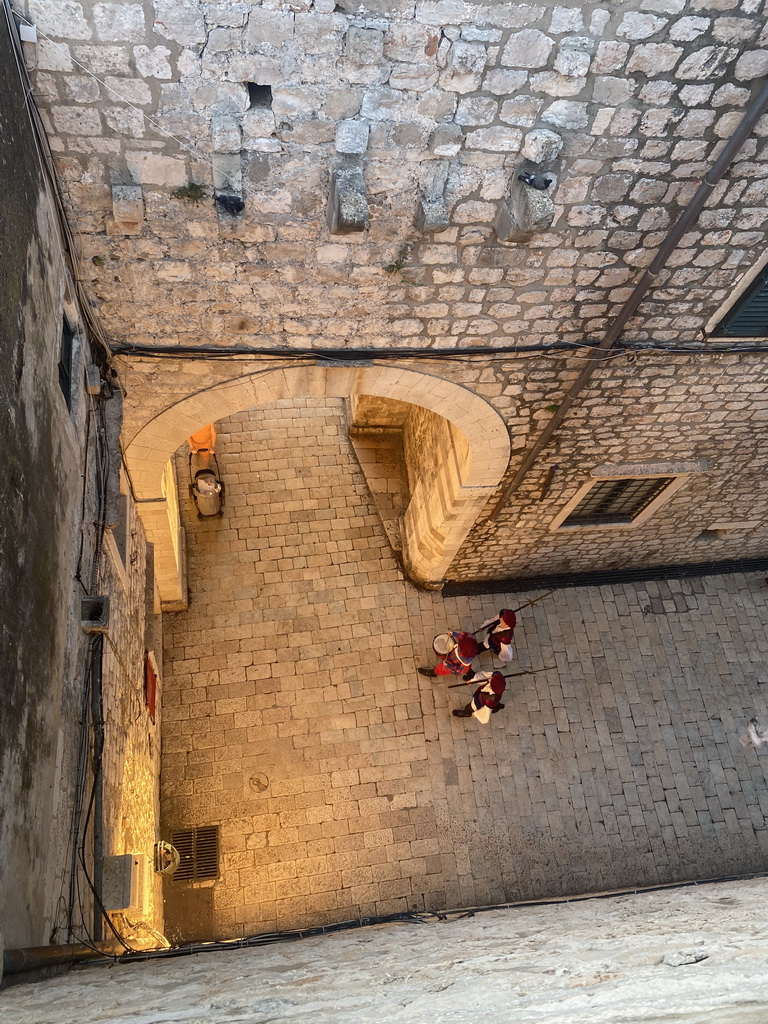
(617, 501)
(199, 852)
(749, 318)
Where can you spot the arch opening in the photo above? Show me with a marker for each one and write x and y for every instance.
(460, 450)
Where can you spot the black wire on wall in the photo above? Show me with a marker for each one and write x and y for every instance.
(367, 355)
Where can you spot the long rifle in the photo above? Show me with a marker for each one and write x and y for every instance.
(507, 675)
(492, 625)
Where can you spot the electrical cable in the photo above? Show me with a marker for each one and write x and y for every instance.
(79, 789)
(86, 446)
(335, 354)
(352, 355)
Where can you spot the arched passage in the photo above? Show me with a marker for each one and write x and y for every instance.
(438, 518)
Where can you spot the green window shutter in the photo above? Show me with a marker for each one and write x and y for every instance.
(749, 317)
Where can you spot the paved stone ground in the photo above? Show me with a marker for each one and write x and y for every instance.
(619, 767)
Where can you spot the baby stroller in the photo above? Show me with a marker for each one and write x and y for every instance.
(205, 483)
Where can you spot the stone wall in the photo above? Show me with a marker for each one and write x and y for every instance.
(131, 765)
(623, 107)
(666, 411)
(40, 493)
(429, 111)
(658, 408)
(59, 447)
(437, 458)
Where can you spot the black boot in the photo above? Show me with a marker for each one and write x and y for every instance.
(463, 713)
(429, 672)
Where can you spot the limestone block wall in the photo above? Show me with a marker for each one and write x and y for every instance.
(660, 409)
(622, 105)
(651, 407)
(131, 764)
(437, 462)
(59, 456)
(437, 459)
(429, 110)
(367, 411)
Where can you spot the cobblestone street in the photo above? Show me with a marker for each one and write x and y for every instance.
(297, 659)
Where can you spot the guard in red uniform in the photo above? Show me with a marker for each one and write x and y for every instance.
(456, 651)
(499, 634)
(486, 700)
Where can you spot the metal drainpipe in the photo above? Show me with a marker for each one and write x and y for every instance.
(754, 112)
(98, 787)
(35, 957)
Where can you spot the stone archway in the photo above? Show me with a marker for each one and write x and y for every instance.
(439, 515)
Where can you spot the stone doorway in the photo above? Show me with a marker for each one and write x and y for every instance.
(466, 438)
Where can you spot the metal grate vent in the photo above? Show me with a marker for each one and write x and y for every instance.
(616, 501)
(749, 317)
(199, 851)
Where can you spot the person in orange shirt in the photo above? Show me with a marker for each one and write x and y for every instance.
(203, 442)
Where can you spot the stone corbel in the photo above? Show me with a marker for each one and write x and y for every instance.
(526, 210)
(431, 211)
(127, 210)
(348, 198)
(226, 144)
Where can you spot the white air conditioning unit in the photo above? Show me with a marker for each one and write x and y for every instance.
(124, 882)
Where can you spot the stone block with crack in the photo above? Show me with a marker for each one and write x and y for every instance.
(525, 211)
(431, 211)
(348, 199)
(127, 210)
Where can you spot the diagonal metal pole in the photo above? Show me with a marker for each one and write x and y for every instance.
(507, 675)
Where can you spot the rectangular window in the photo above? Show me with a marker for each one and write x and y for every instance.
(65, 362)
(120, 528)
(150, 684)
(749, 317)
(199, 851)
(618, 501)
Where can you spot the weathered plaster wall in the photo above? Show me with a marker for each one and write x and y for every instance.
(597, 962)
(55, 459)
(39, 496)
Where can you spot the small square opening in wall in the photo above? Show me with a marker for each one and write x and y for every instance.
(120, 528)
(94, 613)
(199, 851)
(259, 96)
(66, 361)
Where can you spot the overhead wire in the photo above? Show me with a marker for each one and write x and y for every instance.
(351, 356)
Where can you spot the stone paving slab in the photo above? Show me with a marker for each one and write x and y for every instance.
(620, 767)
